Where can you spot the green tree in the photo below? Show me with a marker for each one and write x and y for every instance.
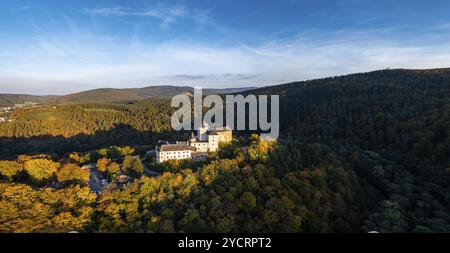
(137, 168)
(247, 201)
(133, 166)
(113, 170)
(127, 162)
(123, 151)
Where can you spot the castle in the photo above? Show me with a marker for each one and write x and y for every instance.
(197, 147)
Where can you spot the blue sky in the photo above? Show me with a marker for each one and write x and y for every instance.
(58, 47)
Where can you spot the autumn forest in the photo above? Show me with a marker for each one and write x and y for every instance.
(357, 153)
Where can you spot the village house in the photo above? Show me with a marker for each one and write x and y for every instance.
(197, 148)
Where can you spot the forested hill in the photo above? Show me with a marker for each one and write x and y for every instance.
(401, 110)
(108, 95)
(392, 127)
(12, 99)
(124, 95)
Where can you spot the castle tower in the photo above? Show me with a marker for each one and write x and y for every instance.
(193, 139)
(203, 133)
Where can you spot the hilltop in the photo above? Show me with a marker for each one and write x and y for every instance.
(109, 95)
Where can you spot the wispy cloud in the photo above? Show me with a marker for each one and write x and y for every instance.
(108, 63)
(240, 76)
(166, 16)
(214, 76)
(71, 57)
(188, 77)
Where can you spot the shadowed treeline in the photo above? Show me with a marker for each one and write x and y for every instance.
(120, 134)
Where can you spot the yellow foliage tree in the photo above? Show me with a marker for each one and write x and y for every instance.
(9, 169)
(102, 164)
(41, 169)
(72, 173)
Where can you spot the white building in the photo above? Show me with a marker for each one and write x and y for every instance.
(197, 147)
(208, 140)
(178, 151)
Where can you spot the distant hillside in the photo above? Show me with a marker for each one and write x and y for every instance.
(12, 99)
(108, 95)
(120, 95)
(123, 95)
